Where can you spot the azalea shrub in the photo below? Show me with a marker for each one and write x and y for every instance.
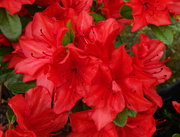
(64, 61)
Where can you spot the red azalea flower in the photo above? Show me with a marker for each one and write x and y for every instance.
(147, 62)
(147, 58)
(60, 13)
(9, 5)
(46, 3)
(113, 88)
(149, 12)
(74, 74)
(36, 49)
(78, 5)
(131, 85)
(176, 105)
(83, 126)
(105, 97)
(34, 113)
(143, 125)
(112, 8)
(97, 40)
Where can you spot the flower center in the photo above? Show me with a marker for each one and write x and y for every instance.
(150, 6)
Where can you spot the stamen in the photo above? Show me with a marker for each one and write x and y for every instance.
(44, 36)
(129, 50)
(158, 121)
(46, 54)
(35, 57)
(158, 71)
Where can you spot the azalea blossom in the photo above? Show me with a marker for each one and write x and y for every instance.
(147, 62)
(149, 12)
(113, 88)
(43, 36)
(60, 13)
(95, 39)
(35, 114)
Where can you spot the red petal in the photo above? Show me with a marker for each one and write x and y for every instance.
(65, 98)
(176, 105)
(153, 96)
(18, 133)
(21, 109)
(124, 65)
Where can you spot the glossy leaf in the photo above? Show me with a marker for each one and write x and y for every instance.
(97, 17)
(132, 113)
(176, 135)
(10, 25)
(121, 118)
(119, 41)
(10, 115)
(4, 73)
(16, 85)
(126, 1)
(4, 51)
(163, 33)
(126, 12)
(69, 36)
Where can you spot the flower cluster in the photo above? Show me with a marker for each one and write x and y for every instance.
(153, 12)
(72, 58)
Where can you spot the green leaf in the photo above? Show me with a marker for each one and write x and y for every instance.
(16, 85)
(97, 17)
(175, 25)
(126, 1)
(119, 41)
(173, 21)
(126, 12)
(121, 118)
(163, 33)
(69, 36)
(132, 113)
(176, 135)
(4, 73)
(10, 25)
(4, 51)
(10, 115)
